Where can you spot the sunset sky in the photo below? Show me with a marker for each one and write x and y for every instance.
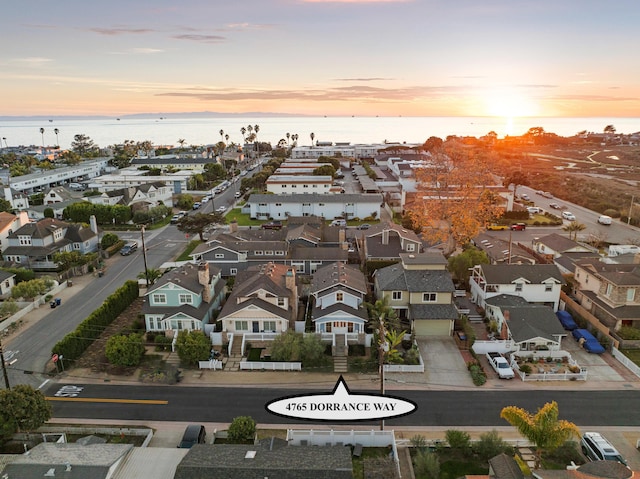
(319, 57)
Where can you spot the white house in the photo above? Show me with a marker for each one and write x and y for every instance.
(264, 206)
(8, 224)
(537, 283)
(305, 184)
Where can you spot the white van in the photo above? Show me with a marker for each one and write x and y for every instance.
(341, 223)
(604, 220)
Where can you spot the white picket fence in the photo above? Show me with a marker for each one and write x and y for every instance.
(214, 364)
(269, 366)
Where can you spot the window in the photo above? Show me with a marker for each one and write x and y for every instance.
(279, 253)
(396, 295)
(548, 288)
(158, 323)
(270, 326)
(241, 326)
(518, 286)
(185, 298)
(631, 294)
(411, 246)
(609, 290)
(429, 297)
(268, 253)
(258, 253)
(233, 271)
(159, 298)
(281, 302)
(339, 296)
(219, 255)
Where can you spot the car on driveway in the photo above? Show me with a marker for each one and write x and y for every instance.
(568, 215)
(518, 227)
(193, 434)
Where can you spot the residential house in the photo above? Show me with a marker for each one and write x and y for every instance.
(17, 199)
(501, 251)
(589, 470)
(68, 461)
(609, 291)
(531, 327)
(504, 466)
(265, 206)
(305, 245)
(147, 194)
(537, 283)
(8, 224)
(7, 282)
(264, 299)
(184, 298)
(292, 184)
(36, 212)
(271, 457)
(554, 245)
(57, 194)
(338, 291)
(34, 244)
(420, 290)
(43, 179)
(387, 241)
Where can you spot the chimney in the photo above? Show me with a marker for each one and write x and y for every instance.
(385, 236)
(93, 224)
(233, 227)
(342, 235)
(203, 280)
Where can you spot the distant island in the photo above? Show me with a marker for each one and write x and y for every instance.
(164, 116)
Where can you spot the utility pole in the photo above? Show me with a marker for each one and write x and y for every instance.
(144, 257)
(4, 368)
(382, 349)
(633, 198)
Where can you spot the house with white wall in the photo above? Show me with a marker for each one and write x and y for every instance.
(8, 224)
(301, 184)
(537, 283)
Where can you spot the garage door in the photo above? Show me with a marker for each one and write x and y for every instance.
(437, 327)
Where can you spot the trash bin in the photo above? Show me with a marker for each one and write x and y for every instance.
(53, 304)
(69, 282)
(58, 301)
(100, 273)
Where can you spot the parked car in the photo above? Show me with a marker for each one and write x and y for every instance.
(129, 248)
(597, 448)
(555, 206)
(495, 227)
(272, 225)
(546, 194)
(175, 219)
(364, 226)
(339, 222)
(237, 194)
(534, 210)
(568, 215)
(566, 320)
(77, 186)
(197, 205)
(193, 434)
(221, 209)
(588, 341)
(518, 227)
(524, 196)
(605, 220)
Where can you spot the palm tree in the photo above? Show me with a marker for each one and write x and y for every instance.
(312, 135)
(152, 275)
(226, 138)
(544, 429)
(181, 142)
(221, 135)
(56, 131)
(243, 131)
(5, 142)
(288, 135)
(42, 133)
(256, 129)
(573, 228)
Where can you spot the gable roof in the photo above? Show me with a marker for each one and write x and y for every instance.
(40, 229)
(505, 467)
(396, 278)
(338, 274)
(185, 276)
(6, 219)
(270, 458)
(533, 321)
(559, 243)
(533, 273)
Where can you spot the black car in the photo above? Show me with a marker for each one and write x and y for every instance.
(193, 434)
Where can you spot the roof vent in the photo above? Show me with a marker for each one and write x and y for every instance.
(250, 455)
(50, 473)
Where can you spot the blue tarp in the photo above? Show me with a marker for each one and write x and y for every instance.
(566, 320)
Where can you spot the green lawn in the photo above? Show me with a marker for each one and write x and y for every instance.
(184, 256)
(633, 355)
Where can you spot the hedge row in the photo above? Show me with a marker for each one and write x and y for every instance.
(75, 343)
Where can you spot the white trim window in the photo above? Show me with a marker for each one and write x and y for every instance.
(429, 297)
(241, 325)
(159, 298)
(185, 298)
(396, 295)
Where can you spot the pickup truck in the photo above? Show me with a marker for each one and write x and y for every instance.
(500, 365)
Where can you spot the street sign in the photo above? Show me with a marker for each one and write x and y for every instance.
(54, 358)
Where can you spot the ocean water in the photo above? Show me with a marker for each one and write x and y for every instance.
(202, 131)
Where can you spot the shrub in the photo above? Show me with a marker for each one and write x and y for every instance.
(412, 356)
(525, 368)
(628, 332)
(426, 464)
(458, 439)
(108, 239)
(242, 429)
(124, 350)
(193, 346)
(477, 373)
(490, 445)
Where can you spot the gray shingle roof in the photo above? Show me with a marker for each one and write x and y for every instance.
(230, 461)
(395, 278)
(339, 274)
(433, 311)
(505, 467)
(526, 322)
(508, 273)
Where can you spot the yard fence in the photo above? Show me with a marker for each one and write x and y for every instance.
(214, 364)
(625, 361)
(269, 366)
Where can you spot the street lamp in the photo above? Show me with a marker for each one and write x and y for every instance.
(144, 257)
